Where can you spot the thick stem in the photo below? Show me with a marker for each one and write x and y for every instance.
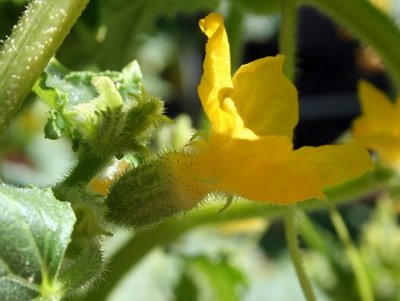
(295, 253)
(86, 169)
(355, 259)
(370, 25)
(88, 166)
(26, 52)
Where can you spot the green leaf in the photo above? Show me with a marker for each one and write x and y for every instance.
(218, 277)
(94, 108)
(104, 114)
(61, 88)
(35, 231)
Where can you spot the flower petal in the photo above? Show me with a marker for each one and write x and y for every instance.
(376, 105)
(258, 170)
(265, 99)
(334, 163)
(268, 170)
(387, 145)
(216, 80)
(379, 126)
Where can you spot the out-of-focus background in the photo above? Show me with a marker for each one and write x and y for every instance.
(247, 259)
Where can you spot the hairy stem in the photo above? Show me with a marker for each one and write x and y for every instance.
(88, 166)
(25, 54)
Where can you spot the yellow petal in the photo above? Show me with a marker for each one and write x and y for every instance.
(398, 101)
(272, 183)
(216, 79)
(264, 98)
(273, 149)
(376, 105)
(379, 126)
(267, 170)
(226, 120)
(259, 170)
(334, 163)
(387, 145)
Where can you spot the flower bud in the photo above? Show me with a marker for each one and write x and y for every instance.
(154, 191)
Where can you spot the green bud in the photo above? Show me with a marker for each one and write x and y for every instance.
(93, 109)
(154, 191)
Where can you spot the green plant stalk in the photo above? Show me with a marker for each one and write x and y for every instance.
(369, 24)
(287, 47)
(311, 235)
(295, 253)
(356, 262)
(288, 36)
(32, 43)
(167, 232)
(234, 25)
(88, 166)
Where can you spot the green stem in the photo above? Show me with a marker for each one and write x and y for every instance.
(167, 232)
(312, 236)
(288, 46)
(234, 25)
(355, 259)
(370, 25)
(293, 246)
(30, 46)
(88, 166)
(287, 36)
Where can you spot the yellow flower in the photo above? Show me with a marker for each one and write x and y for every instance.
(249, 151)
(378, 128)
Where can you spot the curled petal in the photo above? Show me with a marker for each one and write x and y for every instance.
(265, 99)
(217, 69)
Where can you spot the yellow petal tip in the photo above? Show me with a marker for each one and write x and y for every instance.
(210, 24)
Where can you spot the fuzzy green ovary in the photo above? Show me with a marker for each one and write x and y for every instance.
(153, 192)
